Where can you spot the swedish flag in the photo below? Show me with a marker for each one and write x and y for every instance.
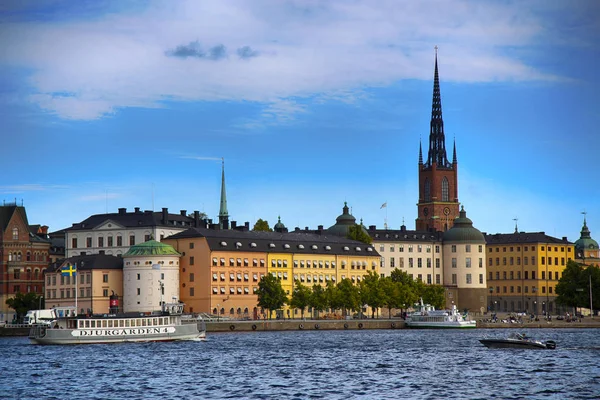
(69, 270)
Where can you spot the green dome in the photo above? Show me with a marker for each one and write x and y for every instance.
(151, 248)
(585, 242)
(279, 225)
(343, 223)
(463, 231)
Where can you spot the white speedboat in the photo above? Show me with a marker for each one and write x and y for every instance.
(426, 316)
(518, 341)
(167, 325)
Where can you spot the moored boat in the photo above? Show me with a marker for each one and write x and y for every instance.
(168, 324)
(518, 341)
(426, 316)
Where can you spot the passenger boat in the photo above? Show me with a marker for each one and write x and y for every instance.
(426, 316)
(169, 324)
(518, 341)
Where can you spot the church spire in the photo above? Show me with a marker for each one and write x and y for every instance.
(420, 153)
(223, 214)
(437, 146)
(454, 161)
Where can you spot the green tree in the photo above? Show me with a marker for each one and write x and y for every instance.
(300, 297)
(271, 295)
(262, 226)
(349, 296)
(23, 302)
(318, 299)
(434, 295)
(356, 232)
(333, 296)
(372, 292)
(573, 288)
(393, 294)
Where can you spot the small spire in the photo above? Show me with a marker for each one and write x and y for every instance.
(516, 226)
(223, 213)
(420, 153)
(585, 232)
(454, 153)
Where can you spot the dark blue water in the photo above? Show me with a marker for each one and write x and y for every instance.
(394, 364)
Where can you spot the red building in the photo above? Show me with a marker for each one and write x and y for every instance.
(24, 256)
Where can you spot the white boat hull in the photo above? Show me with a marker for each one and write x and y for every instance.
(442, 325)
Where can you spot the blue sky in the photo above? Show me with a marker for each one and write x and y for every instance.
(311, 103)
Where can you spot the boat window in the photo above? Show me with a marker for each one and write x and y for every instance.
(87, 324)
(166, 321)
(126, 323)
(92, 324)
(155, 321)
(110, 324)
(160, 321)
(80, 323)
(121, 323)
(139, 322)
(144, 322)
(104, 323)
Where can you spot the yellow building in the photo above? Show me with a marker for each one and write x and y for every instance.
(98, 276)
(220, 269)
(523, 270)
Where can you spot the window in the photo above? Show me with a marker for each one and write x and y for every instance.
(391, 248)
(132, 240)
(410, 262)
(481, 248)
(146, 238)
(191, 260)
(454, 263)
(74, 243)
(392, 262)
(139, 291)
(454, 248)
(15, 233)
(469, 281)
(410, 248)
(191, 245)
(110, 241)
(445, 196)
(437, 262)
(480, 262)
(454, 280)
(191, 291)
(88, 242)
(105, 278)
(468, 262)
(139, 277)
(419, 248)
(100, 241)
(427, 190)
(481, 279)
(468, 248)
(104, 293)
(191, 277)
(17, 274)
(119, 241)
(419, 263)
(429, 263)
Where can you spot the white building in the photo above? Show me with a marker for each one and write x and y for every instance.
(114, 234)
(150, 276)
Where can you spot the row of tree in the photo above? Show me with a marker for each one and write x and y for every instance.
(397, 291)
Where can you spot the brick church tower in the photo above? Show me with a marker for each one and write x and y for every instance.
(438, 179)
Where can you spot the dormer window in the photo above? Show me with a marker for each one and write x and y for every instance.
(314, 247)
(346, 248)
(223, 244)
(252, 244)
(286, 246)
(369, 249)
(300, 246)
(238, 244)
(272, 245)
(327, 247)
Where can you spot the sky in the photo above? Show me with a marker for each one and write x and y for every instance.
(110, 104)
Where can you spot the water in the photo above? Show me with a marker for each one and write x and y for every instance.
(381, 364)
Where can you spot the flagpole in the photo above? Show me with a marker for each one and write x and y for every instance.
(76, 312)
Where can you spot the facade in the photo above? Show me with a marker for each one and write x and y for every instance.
(418, 253)
(523, 269)
(98, 277)
(114, 234)
(586, 248)
(464, 266)
(220, 269)
(24, 256)
(150, 276)
(438, 178)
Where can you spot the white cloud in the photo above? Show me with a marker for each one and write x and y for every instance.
(299, 50)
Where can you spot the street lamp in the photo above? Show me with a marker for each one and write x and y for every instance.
(218, 311)
(491, 297)
(534, 290)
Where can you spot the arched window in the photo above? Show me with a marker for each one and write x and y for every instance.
(29, 256)
(15, 233)
(427, 190)
(445, 189)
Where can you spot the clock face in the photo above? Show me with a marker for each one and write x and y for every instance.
(446, 211)
(425, 211)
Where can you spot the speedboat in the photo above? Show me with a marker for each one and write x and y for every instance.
(518, 341)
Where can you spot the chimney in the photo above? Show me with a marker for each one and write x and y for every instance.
(306, 228)
(233, 224)
(372, 227)
(165, 216)
(183, 213)
(122, 211)
(247, 225)
(320, 228)
(197, 219)
(565, 239)
(137, 210)
(297, 229)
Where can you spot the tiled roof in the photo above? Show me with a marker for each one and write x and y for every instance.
(6, 214)
(89, 262)
(523, 237)
(280, 242)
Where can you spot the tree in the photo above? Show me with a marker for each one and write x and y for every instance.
(372, 292)
(349, 296)
(573, 288)
(356, 232)
(23, 302)
(300, 297)
(333, 296)
(434, 295)
(318, 299)
(262, 226)
(271, 295)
